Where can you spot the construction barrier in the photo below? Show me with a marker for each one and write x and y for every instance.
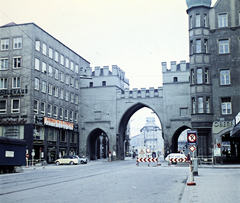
(178, 160)
(147, 159)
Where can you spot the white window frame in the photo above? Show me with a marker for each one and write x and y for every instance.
(198, 46)
(67, 96)
(17, 110)
(37, 64)
(61, 93)
(223, 46)
(56, 56)
(207, 104)
(71, 81)
(71, 97)
(3, 83)
(50, 87)
(71, 115)
(67, 63)
(222, 20)
(76, 99)
(35, 102)
(49, 110)
(44, 67)
(62, 76)
(206, 74)
(55, 113)
(38, 45)
(56, 92)
(50, 53)
(199, 76)
(3, 110)
(56, 74)
(17, 62)
(76, 68)
(225, 78)
(61, 113)
(67, 79)
(62, 60)
(16, 82)
(4, 64)
(193, 106)
(44, 49)
(66, 114)
(200, 104)
(42, 109)
(226, 108)
(17, 43)
(36, 83)
(198, 20)
(72, 66)
(76, 117)
(44, 86)
(4, 44)
(76, 84)
(50, 71)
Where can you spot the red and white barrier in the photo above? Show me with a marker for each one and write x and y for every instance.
(147, 159)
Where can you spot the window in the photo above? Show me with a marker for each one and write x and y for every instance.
(56, 73)
(190, 22)
(37, 45)
(103, 83)
(200, 105)
(36, 84)
(17, 62)
(42, 108)
(55, 89)
(91, 84)
(66, 114)
(50, 71)
(76, 117)
(192, 76)
(16, 82)
(15, 106)
(17, 43)
(4, 64)
(208, 105)
(223, 46)
(61, 113)
(76, 99)
(61, 93)
(50, 89)
(44, 67)
(71, 115)
(67, 79)
(49, 110)
(35, 107)
(198, 46)
(76, 68)
(72, 82)
(191, 47)
(76, 84)
(44, 50)
(198, 20)
(225, 77)
(50, 53)
(61, 76)
(67, 63)
(226, 106)
(3, 83)
(205, 23)
(193, 106)
(72, 98)
(72, 65)
(199, 76)
(3, 106)
(4, 44)
(55, 109)
(44, 86)
(67, 96)
(205, 46)
(62, 60)
(222, 20)
(175, 79)
(56, 56)
(206, 76)
(37, 64)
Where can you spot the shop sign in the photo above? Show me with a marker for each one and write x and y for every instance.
(13, 122)
(39, 120)
(58, 124)
(13, 92)
(218, 126)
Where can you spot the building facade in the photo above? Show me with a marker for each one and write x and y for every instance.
(39, 91)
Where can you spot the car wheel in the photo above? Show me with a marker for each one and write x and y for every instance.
(82, 161)
(86, 162)
(71, 163)
(57, 163)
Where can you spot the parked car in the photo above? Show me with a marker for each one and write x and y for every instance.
(81, 160)
(67, 159)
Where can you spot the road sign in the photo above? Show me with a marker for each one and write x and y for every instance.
(142, 152)
(192, 136)
(192, 148)
(27, 155)
(148, 150)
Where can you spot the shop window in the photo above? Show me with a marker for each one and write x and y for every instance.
(38, 133)
(3, 106)
(51, 134)
(63, 136)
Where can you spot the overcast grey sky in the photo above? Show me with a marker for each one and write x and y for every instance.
(136, 35)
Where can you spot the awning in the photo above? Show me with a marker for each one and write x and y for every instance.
(236, 131)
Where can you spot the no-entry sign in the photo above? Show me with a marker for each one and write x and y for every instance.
(192, 137)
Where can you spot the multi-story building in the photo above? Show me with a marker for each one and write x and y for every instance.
(214, 47)
(39, 90)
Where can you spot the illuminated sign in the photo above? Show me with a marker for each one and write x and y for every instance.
(58, 124)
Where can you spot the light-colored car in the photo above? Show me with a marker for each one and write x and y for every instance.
(81, 160)
(67, 160)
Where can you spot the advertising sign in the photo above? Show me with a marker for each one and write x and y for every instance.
(58, 123)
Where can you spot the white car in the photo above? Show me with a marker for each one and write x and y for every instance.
(67, 160)
(176, 157)
(81, 160)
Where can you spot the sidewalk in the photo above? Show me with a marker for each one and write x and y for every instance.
(219, 184)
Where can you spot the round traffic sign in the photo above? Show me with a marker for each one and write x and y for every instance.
(192, 137)
(27, 155)
(148, 150)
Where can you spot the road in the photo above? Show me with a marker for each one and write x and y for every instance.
(98, 181)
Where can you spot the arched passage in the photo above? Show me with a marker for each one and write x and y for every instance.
(176, 136)
(121, 136)
(97, 144)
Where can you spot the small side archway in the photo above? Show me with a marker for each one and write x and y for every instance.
(97, 144)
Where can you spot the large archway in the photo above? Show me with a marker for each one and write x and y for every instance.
(97, 144)
(121, 136)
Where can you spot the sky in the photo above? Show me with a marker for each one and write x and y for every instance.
(136, 35)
